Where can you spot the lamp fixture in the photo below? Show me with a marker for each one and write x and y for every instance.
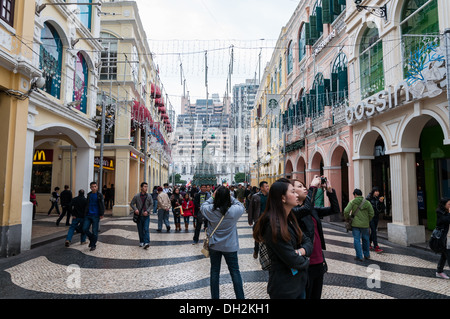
(380, 12)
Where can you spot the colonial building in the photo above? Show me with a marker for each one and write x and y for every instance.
(306, 133)
(398, 109)
(49, 54)
(139, 115)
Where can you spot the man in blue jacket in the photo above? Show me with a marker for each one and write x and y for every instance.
(95, 209)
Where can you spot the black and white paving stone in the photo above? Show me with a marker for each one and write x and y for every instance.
(173, 268)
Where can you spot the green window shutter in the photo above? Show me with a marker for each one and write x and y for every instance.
(336, 7)
(312, 102)
(326, 12)
(343, 83)
(313, 28)
(327, 92)
(319, 25)
(343, 2)
(307, 33)
(303, 107)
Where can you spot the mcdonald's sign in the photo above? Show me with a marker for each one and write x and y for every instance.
(43, 157)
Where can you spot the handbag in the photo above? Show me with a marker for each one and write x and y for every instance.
(264, 258)
(136, 217)
(437, 240)
(349, 220)
(178, 211)
(205, 249)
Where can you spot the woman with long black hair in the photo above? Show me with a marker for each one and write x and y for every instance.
(288, 248)
(224, 241)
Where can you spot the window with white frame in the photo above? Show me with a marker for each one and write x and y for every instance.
(108, 70)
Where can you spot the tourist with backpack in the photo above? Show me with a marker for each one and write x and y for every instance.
(362, 212)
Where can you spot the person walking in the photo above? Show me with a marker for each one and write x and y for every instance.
(199, 199)
(66, 198)
(188, 210)
(163, 209)
(78, 209)
(287, 247)
(443, 221)
(223, 213)
(142, 205)
(33, 199)
(95, 210)
(55, 200)
(155, 199)
(176, 201)
(309, 218)
(362, 212)
(378, 207)
(256, 207)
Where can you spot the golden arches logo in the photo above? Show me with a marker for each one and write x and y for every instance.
(40, 156)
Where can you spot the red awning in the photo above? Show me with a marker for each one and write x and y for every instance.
(159, 102)
(156, 91)
(162, 109)
(140, 113)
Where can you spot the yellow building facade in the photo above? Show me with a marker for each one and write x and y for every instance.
(49, 93)
(266, 156)
(129, 80)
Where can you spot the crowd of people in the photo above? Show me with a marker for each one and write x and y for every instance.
(284, 217)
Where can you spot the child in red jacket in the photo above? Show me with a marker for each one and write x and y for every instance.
(188, 210)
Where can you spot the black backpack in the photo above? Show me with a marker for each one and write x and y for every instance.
(437, 241)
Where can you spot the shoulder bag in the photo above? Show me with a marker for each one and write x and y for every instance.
(437, 240)
(136, 217)
(205, 249)
(349, 220)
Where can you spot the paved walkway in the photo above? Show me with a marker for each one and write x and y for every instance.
(173, 268)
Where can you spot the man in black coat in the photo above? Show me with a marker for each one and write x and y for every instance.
(66, 198)
(311, 226)
(78, 208)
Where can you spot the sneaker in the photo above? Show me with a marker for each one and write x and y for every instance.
(378, 249)
(141, 245)
(92, 248)
(67, 243)
(146, 246)
(442, 275)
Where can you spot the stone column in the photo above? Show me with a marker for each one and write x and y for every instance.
(84, 169)
(363, 174)
(27, 206)
(121, 206)
(405, 228)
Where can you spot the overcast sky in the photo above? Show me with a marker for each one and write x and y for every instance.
(180, 31)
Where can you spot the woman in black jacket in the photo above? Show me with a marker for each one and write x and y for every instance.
(309, 219)
(443, 222)
(287, 247)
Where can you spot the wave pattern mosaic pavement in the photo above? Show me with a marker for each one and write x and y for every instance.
(173, 268)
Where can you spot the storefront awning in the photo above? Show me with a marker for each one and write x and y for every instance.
(140, 113)
(156, 91)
